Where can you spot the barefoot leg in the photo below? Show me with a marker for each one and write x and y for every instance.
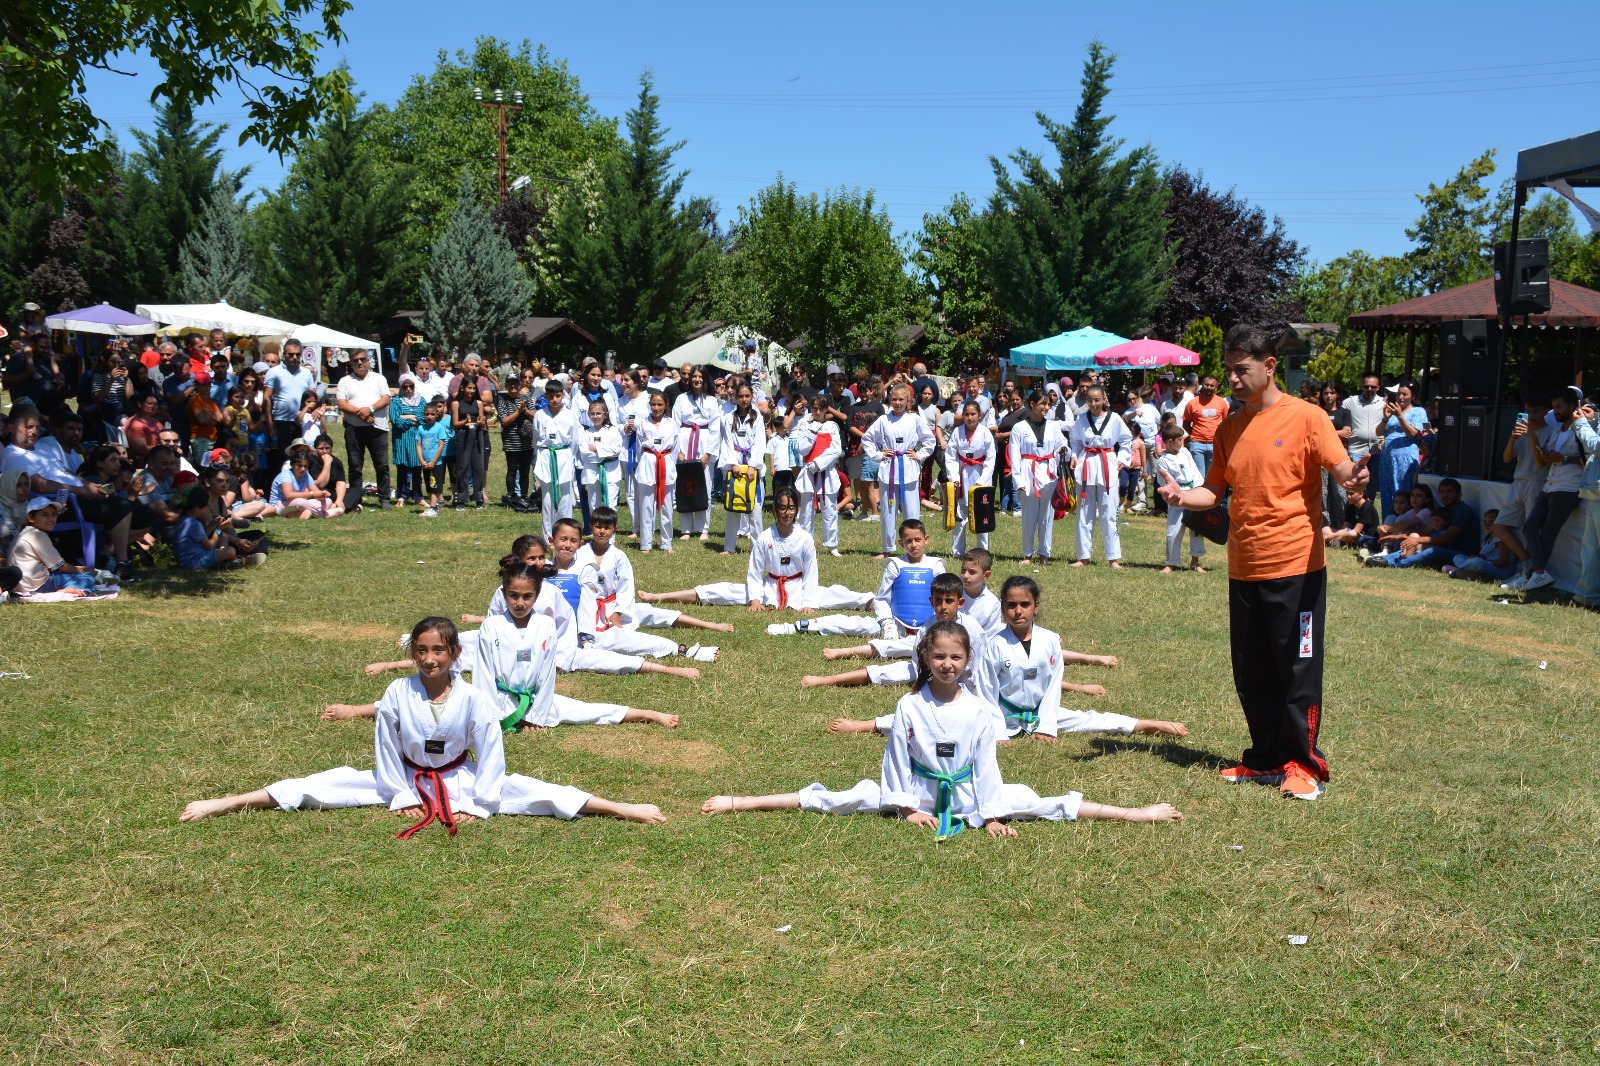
(638, 714)
(337, 712)
(852, 725)
(647, 813)
(199, 809)
(652, 667)
(1156, 812)
(850, 679)
(698, 623)
(785, 801)
(1153, 725)
(860, 651)
(681, 596)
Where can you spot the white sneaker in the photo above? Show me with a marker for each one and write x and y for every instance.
(1538, 580)
(836, 553)
(1363, 554)
(1515, 584)
(874, 518)
(431, 512)
(702, 653)
(780, 629)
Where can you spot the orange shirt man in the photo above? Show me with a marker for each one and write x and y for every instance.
(1202, 415)
(1270, 455)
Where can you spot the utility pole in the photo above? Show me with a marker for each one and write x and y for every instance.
(502, 122)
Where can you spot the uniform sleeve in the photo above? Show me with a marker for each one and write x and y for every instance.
(394, 783)
(608, 444)
(1019, 476)
(1050, 699)
(880, 604)
(1124, 442)
(986, 679)
(870, 445)
(488, 743)
(898, 783)
(987, 476)
(809, 582)
(986, 780)
(625, 588)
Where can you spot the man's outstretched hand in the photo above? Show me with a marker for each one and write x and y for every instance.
(1170, 490)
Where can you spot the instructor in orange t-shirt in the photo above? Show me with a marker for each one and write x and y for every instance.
(1271, 454)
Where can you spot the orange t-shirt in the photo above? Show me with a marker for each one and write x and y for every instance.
(1204, 418)
(1273, 463)
(202, 401)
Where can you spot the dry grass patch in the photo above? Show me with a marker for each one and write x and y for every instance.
(644, 745)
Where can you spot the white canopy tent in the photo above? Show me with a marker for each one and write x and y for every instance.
(182, 318)
(324, 337)
(720, 348)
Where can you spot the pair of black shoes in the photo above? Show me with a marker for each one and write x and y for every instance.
(519, 504)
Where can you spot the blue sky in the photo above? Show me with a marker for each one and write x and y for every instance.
(1332, 116)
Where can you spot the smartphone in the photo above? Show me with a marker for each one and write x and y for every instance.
(1522, 418)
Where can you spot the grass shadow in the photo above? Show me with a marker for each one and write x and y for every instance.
(180, 584)
(1180, 755)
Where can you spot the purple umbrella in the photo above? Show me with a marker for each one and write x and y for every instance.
(102, 318)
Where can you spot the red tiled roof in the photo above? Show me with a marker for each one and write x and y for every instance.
(1570, 305)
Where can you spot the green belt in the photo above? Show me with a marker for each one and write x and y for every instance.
(604, 495)
(524, 697)
(941, 803)
(555, 472)
(1019, 720)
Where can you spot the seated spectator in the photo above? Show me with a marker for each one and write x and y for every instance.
(294, 491)
(14, 496)
(43, 569)
(1412, 518)
(48, 474)
(1493, 562)
(328, 471)
(1452, 530)
(1359, 522)
(245, 502)
(143, 428)
(155, 492)
(170, 438)
(63, 448)
(198, 544)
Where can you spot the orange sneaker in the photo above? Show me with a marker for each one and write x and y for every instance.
(1300, 783)
(1236, 774)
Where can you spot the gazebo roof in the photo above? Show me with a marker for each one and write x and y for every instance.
(1570, 306)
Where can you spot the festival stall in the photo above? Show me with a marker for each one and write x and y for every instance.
(102, 319)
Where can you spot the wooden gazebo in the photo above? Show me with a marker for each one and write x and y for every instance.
(1574, 314)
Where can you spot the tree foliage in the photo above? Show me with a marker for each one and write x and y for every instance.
(634, 268)
(215, 261)
(269, 49)
(826, 268)
(1082, 244)
(474, 288)
(435, 130)
(1332, 363)
(1451, 237)
(1232, 263)
(966, 326)
(333, 240)
(1205, 337)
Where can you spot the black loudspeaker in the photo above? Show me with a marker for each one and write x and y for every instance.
(1522, 287)
(1467, 359)
(1464, 437)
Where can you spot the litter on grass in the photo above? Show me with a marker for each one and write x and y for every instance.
(1543, 664)
(1235, 847)
(14, 675)
(1297, 941)
(783, 929)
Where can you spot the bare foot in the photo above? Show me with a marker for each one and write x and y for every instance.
(851, 725)
(720, 627)
(410, 812)
(204, 809)
(374, 669)
(1046, 737)
(1197, 568)
(725, 553)
(1167, 570)
(833, 653)
(338, 712)
(647, 813)
(668, 720)
(1115, 565)
(1156, 812)
(684, 537)
(880, 557)
(812, 680)
(705, 537)
(1169, 729)
(717, 805)
(1081, 562)
(1027, 560)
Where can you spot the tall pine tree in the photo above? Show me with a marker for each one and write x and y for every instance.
(215, 261)
(332, 239)
(634, 268)
(474, 287)
(1082, 244)
(169, 182)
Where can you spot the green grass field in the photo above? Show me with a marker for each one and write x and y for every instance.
(1446, 882)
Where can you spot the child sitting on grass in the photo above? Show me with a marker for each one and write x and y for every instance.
(439, 757)
(1494, 561)
(42, 568)
(198, 544)
(939, 768)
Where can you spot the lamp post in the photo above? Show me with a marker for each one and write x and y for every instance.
(502, 122)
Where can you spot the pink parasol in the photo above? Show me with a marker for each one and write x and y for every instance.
(1142, 354)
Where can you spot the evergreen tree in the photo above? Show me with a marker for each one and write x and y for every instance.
(474, 288)
(965, 324)
(634, 273)
(332, 239)
(170, 180)
(1205, 337)
(1083, 244)
(215, 262)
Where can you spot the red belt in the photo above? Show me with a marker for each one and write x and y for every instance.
(1045, 461)
(783, 587)
(602, 621)
(435, 804)
(1105, 465)
(693, 446)
(661, 475)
